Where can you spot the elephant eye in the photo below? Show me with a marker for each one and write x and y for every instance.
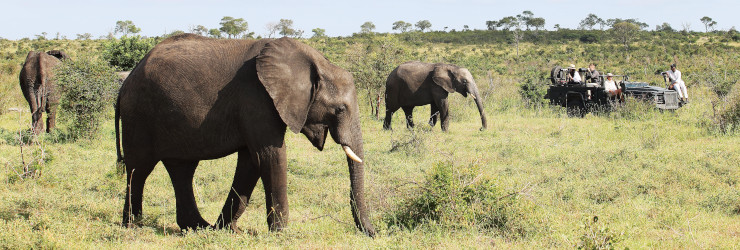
(340, 109)
(465, 81)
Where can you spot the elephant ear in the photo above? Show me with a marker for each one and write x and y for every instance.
(289, 73)
(441, 76)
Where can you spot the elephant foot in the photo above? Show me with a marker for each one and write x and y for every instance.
(194, 225)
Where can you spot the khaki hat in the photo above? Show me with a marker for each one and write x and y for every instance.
(572, 66)
(609, 74)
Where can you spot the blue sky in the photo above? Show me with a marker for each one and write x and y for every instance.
(28, 18)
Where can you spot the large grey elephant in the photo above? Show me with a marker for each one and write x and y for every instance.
(37, 84)
(194, 98)
(416, 83)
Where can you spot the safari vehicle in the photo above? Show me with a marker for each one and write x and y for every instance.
(589, 95)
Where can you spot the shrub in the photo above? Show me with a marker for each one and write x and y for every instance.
(728, 114)
(126, 52)
(533, 89)
(597, 236)
(88, 87)
(456, 197)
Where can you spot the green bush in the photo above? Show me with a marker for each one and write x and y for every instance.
(533, 89)
(126, 52)
(88, 86)
(460, 197)
(728, 118)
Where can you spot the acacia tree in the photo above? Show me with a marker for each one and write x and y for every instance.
(318, 33)
(367, 28)
(286, 29)
(272, 28)
(233, 26)
(126, 27)
(537, 23)
(590, 21)
(200, 30)
(625, 32)
(708, 23)
(525, 18)
(215, 33)
(491, 25)
(402, 26)
(423, 24)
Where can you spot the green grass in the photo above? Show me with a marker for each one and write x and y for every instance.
(653, 179)
(644, 180)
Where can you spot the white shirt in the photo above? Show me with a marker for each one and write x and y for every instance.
(576, 77)
(674, 76)
(610, 85)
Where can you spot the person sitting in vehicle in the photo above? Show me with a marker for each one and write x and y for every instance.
(573, 76)
(610, 87)
(593, 75)
(674, 76)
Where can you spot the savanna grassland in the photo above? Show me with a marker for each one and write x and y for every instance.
(634, 177)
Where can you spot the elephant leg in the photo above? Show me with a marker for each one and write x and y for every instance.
(409, 112)
(51, 117)
(181, 173)
(388, 116)
(274, 168)
(136, 173)
(443, 107)
(38, 126)
(434, 115)
(245, 178)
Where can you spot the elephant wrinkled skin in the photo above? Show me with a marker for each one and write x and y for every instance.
(37, 83)
(416, 83)
(194, 98)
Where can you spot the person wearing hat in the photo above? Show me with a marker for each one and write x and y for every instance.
(610, 87)
(573, 76)
(674, 75)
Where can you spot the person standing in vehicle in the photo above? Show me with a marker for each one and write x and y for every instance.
(610, 87)
(674, 75)
(593, 75)
(573, 76)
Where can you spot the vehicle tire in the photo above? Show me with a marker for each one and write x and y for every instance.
(555, 74)
(575, 108)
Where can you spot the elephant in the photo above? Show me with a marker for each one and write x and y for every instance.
(37, 83)
(417, 83)
(194, 98)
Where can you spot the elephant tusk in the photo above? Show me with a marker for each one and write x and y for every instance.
(472, 95)
(350, 154)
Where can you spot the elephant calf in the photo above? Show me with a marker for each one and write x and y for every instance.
(416, 83)
(36, 80)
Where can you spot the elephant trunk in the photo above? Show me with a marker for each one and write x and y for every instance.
(479, 103)
(357, 177)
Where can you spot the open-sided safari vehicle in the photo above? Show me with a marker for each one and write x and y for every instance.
(590, 95)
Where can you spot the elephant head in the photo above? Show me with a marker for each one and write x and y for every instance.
(455, 79)
(313, 96)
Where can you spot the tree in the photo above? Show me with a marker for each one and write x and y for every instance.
(708, 23)
(200, 30)
(215, 33)
(318, 33)
(233, 26)
(402, 26)
(590, 21)
(537, 23)
(272, 28)
(613, 21)
(85, 36)
(466, 27)
(556, 27)
(664, 27)
(423, 24)
(367, 28)
(525, 18)
(508, 22)
(491, 25)
(624, 32)
(286, 29)
(125, 28)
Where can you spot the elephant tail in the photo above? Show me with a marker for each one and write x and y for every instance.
(119, 160)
